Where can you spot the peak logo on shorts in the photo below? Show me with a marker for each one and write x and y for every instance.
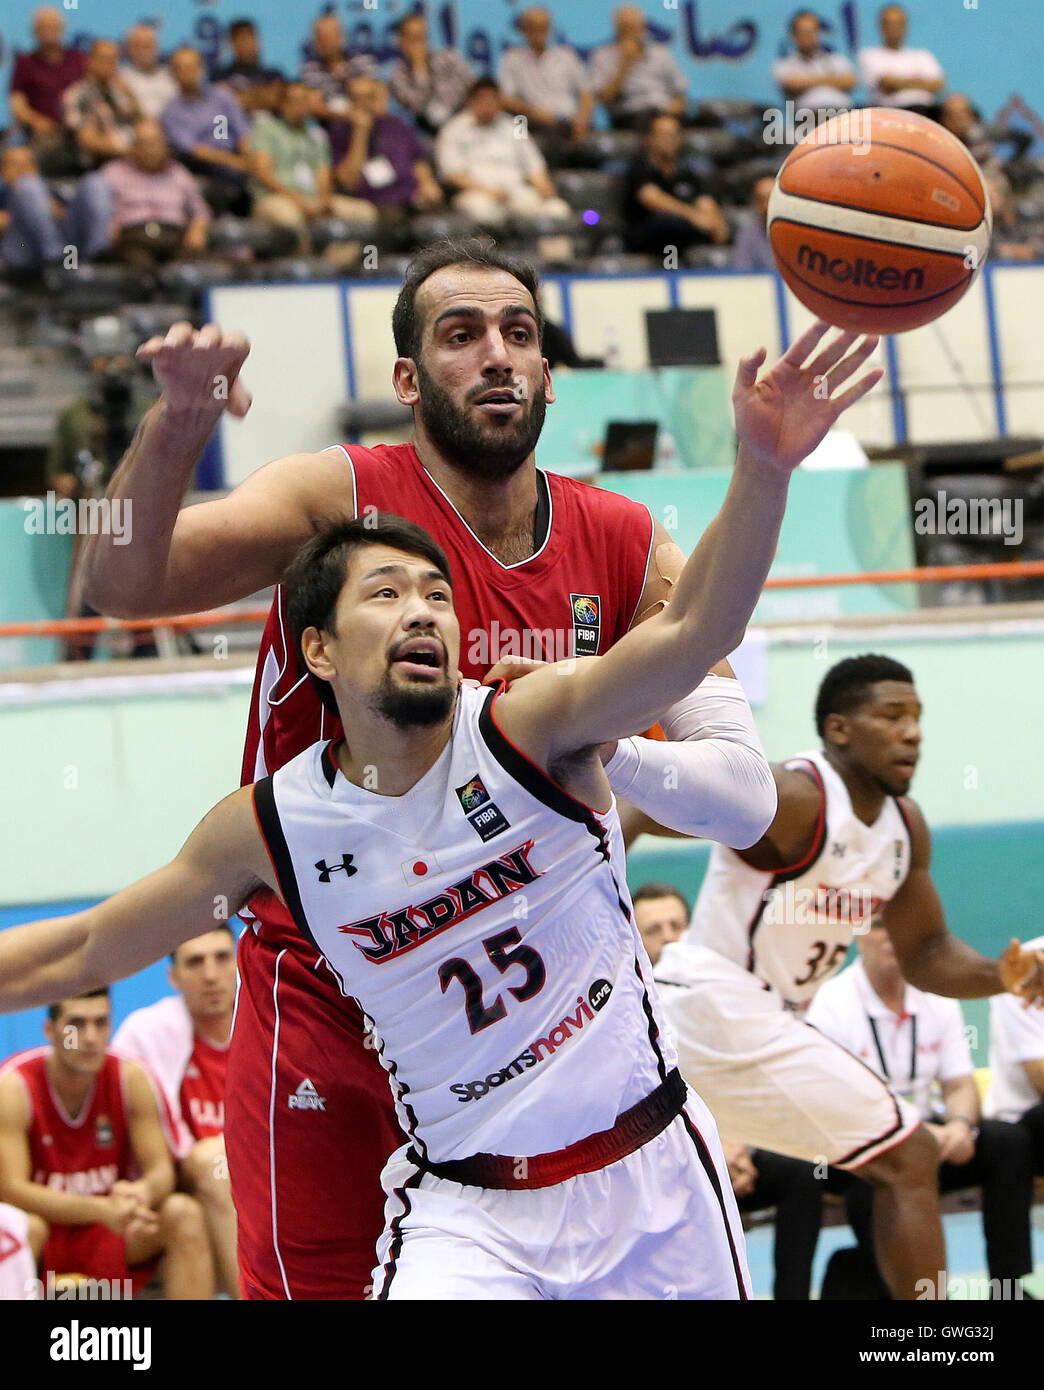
(483, 815)
(306, 1097)
(587, 623)
(103, 1132)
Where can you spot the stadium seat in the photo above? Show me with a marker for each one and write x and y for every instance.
(433, 226)
(262, 238)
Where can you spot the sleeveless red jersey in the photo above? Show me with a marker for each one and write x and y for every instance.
(202, 1094)
(577, 595)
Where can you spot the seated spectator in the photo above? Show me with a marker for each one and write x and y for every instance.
(661, 914)
(149, 79)
(1011, 240)
(916, 1042)
(811, 77)
(209, 132)
(548, 84)
(77, 1122)
(751, 249)
(379, 157)
(633, 78)
(257, 87)
(292, 177)
(326, 74)
(1016, 1089)
(100, 109)
(183, 1040)
(894, 75)
(38, 83)
(664, 202)
(431, 86)
(36, 229)
(491, 172)
(158, 212)
(961, 119)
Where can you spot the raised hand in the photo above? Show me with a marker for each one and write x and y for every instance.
(199, 370)
(784, 416)
(1022, 972)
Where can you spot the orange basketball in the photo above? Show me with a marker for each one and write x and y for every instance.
(879, 220)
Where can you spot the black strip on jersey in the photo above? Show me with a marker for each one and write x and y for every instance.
(792, 871)
(654, 1032)
(397, 1237)
(542, 516)
(712, 1173)
(329, 767)
(271, 828)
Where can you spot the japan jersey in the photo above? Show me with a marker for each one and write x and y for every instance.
(793, 928)
(483, 923)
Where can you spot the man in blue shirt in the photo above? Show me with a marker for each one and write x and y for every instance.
(208, 130)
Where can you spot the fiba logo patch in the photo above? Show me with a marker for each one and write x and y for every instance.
(103, 1132)
(587, 623)
(484, 816)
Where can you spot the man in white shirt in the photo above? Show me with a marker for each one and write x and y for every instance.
(1016, 1089)
(492, 170)
(547, 83)
(898, 76)
(916, 1043)
(811, 77)
(148, 78)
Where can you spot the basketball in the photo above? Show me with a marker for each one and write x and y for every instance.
(879, 220)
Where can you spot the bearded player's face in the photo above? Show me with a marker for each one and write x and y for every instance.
(481, 381)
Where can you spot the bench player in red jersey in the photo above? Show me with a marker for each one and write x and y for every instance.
(85, 1147)
(544, 563)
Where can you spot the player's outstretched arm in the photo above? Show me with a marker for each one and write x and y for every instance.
(933, 959)
(780, 419)
(168, 559)
(222, 863)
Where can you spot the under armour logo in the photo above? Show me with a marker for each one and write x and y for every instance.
(325, 869)
(837, 850)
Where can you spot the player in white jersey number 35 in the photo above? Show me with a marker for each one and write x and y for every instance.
(457, 859)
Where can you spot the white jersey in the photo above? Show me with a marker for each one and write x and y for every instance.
(483, 923)
(792, 929)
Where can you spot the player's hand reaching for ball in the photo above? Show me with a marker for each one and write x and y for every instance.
(1022, 972)
(783, 416)
(198, 370)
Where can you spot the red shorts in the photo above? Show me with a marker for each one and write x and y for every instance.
(309, 1125)
(96, 1253)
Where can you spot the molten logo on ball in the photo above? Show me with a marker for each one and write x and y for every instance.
(861, 271)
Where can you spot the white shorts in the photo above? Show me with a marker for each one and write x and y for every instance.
(771, 1080)
(660, 1223)
(17, 1266)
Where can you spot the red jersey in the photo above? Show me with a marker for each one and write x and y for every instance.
(576, 596)
(202, 1095)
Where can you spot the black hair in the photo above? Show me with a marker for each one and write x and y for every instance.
(480, 251)
(846, 686)
(482, 84)
(54, 1010)
(315, 577)
(218, 926)
(240, 26)
(660, 890)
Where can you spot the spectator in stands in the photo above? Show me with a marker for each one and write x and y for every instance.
(158, 212)
(634, 78)
(548, 84)
(894, 75)
(209, 132)
(664, 201)
(84, 1145)
(961, 119)
(431, 86)
(100, 109)
(811, 77)
(258, 88)
(378, 157)
(1016, 1089)
(661, 914)
(292, 176)
(148, 78)
(491, 172)
(326, 74)
(38, 84)
(183, 1040)
(916, 1042)
(36, 229)
(751, 249)
(1011, 240)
